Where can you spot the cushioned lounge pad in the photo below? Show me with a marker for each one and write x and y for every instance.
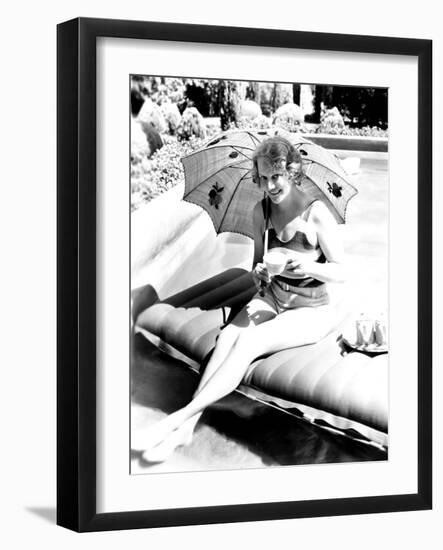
(322, 376)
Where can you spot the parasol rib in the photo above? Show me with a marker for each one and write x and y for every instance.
(199, 151)
(254, 139)
(241, 152)
(223, 168)
(230, 200)
(329, 200)
(318, 162)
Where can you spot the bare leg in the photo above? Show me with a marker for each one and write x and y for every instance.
(255, 312)
(293, 328)
(184, 433)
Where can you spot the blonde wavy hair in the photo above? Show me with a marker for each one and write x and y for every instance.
(279, 151)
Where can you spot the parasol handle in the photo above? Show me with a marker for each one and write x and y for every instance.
(265, 244)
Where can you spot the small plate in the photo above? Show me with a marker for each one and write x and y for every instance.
(350, 340)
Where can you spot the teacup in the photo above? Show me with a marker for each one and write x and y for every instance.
(275, 262)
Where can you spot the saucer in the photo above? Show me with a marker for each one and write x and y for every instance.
(350, 340)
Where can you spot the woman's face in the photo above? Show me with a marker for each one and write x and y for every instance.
(273, 179)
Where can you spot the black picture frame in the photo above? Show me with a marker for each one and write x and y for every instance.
(76, 273)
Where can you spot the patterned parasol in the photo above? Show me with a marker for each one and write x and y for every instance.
(218, 177)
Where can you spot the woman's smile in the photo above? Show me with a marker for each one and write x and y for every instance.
(275, 193)
(273, 180)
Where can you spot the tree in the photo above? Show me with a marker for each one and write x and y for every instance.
(228, 102)
(361, 106)
(296, 94)
(281, 94)
(253, 91)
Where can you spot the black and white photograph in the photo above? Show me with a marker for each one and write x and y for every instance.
(259, 238)
(221, 306)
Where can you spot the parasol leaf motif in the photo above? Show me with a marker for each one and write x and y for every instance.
(215, 198)
(334, 189)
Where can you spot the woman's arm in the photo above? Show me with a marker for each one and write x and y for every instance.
(260, 273)
(258, 230)
(330, 242)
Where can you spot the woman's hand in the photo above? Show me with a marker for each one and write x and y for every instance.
(327, 272)
(260, 275)
(298, 268)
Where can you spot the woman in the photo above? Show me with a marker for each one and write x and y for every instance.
(294, 308)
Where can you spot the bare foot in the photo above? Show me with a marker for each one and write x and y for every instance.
(182, 436)
(156, 433)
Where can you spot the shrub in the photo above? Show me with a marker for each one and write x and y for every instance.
(154, 138)
(192, 124)
(172, 116)
(261, 122)
(289, 117)
(159, 89)
(212, 126)
(170, 90)
(139, 143)
(150, 114)
(151, 177)
(367, 131)
(331, 121)
(249, 109)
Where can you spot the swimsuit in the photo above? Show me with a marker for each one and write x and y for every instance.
(288, 291)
